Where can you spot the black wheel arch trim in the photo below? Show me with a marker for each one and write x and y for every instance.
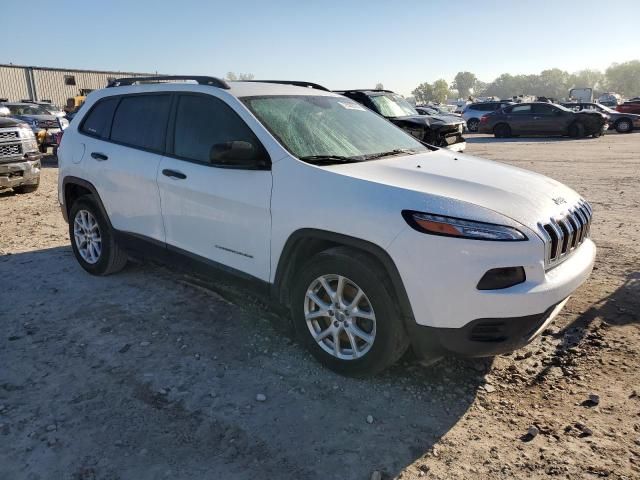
(71, 180)
(286, 266)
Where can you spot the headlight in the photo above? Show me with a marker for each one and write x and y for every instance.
(458, 227)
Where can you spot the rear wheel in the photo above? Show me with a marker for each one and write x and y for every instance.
(502, 130)
(345, 314)
(92, 239)
(576, 130)
(624, 125)
(472, 124)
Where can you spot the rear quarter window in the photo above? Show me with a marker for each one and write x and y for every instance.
(97, 122)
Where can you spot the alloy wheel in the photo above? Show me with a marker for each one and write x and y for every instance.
(340, 317)
(86, 233)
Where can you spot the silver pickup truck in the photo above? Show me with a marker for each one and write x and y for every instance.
(19, 156)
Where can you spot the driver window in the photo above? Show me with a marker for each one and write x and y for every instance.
(203, 121)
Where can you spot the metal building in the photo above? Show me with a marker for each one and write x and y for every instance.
(19, 82)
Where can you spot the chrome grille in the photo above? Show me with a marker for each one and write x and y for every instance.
(563, 234)
(10, 150)
(10, 135)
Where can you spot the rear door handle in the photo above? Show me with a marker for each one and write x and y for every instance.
(101, 157)
(173, 174)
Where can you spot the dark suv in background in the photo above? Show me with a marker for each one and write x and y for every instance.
(438, 130)
(473, 112)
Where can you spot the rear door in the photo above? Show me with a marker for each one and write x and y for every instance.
(124, 143)
(218, 211)
(520, 118)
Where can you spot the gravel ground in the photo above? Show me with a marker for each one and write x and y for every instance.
(148, 374)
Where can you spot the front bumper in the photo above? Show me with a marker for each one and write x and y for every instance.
(21, 171)
(484, 337)
(441, 285)
(458, 147)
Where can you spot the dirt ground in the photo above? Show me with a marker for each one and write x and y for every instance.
(148, 374)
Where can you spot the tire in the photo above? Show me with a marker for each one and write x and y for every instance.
(22, 189)
(576, 130)
(624, 125)
(110, 258)
(472, 124)
(384, 340)
(502, 130)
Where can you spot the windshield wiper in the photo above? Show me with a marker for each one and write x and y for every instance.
(328, 159)
(397, 151)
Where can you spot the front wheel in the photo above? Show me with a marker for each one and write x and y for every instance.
(20, 189)
(345, 314)
(92, 239)
(472, 125)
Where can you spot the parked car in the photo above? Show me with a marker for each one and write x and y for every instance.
(630, 106)
(43, 123)
(474, 111)
(438, 130)
(373, 240)
(19, 156)
(543, 119)
(48, 106)
(621, 122)
(610, 99)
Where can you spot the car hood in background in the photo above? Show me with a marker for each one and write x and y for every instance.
(428, 120)
(7, 122)
(524, 196)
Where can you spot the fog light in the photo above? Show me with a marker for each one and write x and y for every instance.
(498, 278)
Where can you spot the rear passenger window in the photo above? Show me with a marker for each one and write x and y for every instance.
(98, 121)
(205, 121)
(141, 121)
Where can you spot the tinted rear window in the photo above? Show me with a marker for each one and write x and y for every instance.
(98, 121)
(141, 121)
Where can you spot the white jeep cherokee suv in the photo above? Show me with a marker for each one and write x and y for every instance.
(373, 240)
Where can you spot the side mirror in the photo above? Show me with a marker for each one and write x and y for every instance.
(236, 152)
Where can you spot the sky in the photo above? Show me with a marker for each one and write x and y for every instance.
(340, 44)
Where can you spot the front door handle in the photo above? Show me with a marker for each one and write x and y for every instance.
(173, 174)
(101, 157)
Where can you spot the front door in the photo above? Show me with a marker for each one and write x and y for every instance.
(216, 209)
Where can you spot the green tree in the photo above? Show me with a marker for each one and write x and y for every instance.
(464, 82)
(624, 78)
(379, 86)
(586, 78)
(241, 76)
(440, 91)
(423, 93)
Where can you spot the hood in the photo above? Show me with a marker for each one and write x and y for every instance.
(428, 120)
(6, 122)
(521, 195)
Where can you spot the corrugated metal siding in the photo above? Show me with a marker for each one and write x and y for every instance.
(13, 83)
(18, 82)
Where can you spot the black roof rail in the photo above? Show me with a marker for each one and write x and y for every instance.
(202, 80)
(296, 83)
